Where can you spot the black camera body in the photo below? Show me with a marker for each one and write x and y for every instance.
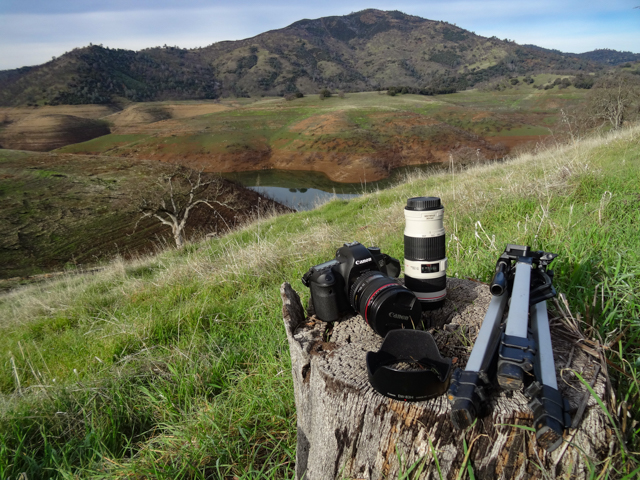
(365, 280)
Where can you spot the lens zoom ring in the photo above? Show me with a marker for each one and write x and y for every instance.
(421, 249)
(426, 285)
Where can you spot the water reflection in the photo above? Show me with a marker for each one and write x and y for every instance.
(301, 198)
(305, 190)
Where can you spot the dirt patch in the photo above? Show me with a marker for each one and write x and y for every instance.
(514, 141)
(327, 124)
(16, 114)
(161, 128)
(187, 111)
(480, 116)
(408, 119)
(351, 159)
(42, 133)
(138, 115)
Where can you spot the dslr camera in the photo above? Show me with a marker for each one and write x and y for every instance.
(363, 280)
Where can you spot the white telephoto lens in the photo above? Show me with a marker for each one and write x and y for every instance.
(425, 260)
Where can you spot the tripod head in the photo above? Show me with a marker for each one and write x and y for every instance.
(541, 278)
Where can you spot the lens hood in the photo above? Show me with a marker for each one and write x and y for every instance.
(430, 380)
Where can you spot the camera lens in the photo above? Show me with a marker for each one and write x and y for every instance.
(385, 303)
(425, 260)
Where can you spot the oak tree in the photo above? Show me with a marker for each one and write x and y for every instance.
(178, 193)
(614, 99)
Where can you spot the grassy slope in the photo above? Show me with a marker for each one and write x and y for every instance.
(59, 208)
(75, 210)
(361, 123)
(177, 366)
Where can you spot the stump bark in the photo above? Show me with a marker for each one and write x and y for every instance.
(347, 430)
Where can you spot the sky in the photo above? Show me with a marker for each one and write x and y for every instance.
(34, 31)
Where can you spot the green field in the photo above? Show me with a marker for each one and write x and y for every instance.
(177, 366)
(359, 123)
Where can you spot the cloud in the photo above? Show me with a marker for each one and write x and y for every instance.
(32, 39)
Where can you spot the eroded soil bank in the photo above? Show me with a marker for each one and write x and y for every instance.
(58, 210)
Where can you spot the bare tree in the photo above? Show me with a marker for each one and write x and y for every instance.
(614, 99)
(178, 193)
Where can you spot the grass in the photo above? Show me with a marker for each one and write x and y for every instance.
(177, 366)
(49, 202)
(104, 143)
(359, 123)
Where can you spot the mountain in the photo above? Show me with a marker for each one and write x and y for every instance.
(603, 56)
(362, 51)
(373, 49)
(610, 57)
(102, 75)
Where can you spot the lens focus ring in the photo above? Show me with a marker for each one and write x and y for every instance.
(424, 249)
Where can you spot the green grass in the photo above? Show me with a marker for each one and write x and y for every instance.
(58, 209)
(177, 366)
(368, 121)
(103, 144)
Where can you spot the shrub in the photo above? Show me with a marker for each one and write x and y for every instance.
(583, 81)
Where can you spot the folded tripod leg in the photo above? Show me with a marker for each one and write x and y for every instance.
(550, 410)
(516, 349)
(468, 390)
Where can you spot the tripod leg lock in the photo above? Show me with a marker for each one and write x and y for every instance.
(550, 415)
(516, 356)
(468, 396)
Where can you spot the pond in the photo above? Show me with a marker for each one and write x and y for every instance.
(304, 190)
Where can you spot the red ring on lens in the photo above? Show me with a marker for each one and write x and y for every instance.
(371, 297)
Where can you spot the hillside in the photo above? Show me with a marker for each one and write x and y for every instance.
(49, 201)
(605, 56)
(43, 133)
(373, 49)
(610, 57)
(361, 51)
(177, 365)
(361, 137)
(60, 211)
(97, 75)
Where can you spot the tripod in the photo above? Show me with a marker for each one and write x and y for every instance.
(511, 353)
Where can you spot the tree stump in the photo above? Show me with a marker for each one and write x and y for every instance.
(347, 430)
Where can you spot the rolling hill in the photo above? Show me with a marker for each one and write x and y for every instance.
(59, 210)
(605, 56)
(362, 51)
